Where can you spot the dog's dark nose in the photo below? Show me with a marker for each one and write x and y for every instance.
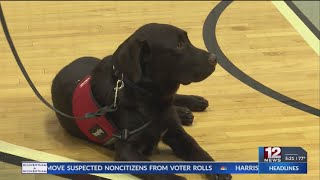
(213, 59)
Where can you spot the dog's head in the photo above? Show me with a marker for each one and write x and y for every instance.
(162, 52)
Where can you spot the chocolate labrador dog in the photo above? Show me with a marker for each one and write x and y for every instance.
(130, 100)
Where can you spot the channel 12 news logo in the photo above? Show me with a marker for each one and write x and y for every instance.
(272, 154)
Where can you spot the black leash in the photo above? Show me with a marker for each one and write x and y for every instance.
(100, 112)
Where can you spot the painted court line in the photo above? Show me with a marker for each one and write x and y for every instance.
(210, 40)
(46, 157)
(298, 24)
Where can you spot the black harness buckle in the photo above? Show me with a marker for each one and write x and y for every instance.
(124, 134)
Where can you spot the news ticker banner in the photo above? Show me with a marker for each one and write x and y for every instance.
(270, 162)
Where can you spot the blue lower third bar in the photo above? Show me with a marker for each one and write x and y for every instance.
(153, 168)
(176, 168)
(282, 168)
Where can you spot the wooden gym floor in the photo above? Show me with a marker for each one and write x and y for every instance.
(255, 36)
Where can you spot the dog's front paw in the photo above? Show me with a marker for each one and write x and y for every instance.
(185, 115)
(219, 177)
(198, 103)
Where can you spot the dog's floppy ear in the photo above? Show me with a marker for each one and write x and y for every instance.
(128, 56)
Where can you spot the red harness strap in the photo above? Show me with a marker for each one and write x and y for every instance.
(98, 129)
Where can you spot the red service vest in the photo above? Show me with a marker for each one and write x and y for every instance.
(98, 129)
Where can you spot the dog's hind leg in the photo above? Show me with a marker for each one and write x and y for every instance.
(124, 151)
(192, 102)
